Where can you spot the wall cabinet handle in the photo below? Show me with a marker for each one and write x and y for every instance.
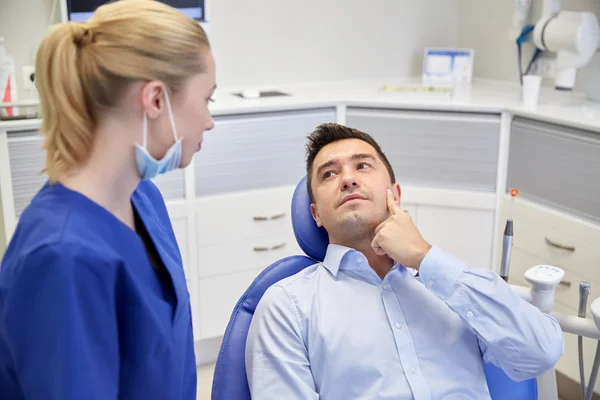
(559, 246)
(272, 217)
(263, 249)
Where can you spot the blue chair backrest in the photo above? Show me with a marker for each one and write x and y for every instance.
(230, 381)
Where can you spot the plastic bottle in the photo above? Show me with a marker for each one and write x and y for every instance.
(8, 84)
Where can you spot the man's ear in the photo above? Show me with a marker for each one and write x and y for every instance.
(315, 214)
(397, 191)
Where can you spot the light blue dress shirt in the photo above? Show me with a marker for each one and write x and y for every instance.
(337, 331)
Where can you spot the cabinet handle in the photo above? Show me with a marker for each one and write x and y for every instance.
(272, 217)
(565, 283)
(559, 246)
(263, 249)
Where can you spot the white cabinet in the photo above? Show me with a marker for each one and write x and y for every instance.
(244, 179)
(256, 151)
(435, 149)
(544, 235)
(466, 233)
(557, 215)
(238, 235)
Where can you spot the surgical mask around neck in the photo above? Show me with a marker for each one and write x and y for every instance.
(147, 166)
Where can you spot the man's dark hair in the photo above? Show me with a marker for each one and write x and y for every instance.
(328, 133)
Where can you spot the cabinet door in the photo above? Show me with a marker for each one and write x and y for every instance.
(445, 150)
(27, 160)
(217, 298)
(556, 165)
(256, 151)
(466, 233)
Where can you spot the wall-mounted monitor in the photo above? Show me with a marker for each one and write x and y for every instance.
(82, 10)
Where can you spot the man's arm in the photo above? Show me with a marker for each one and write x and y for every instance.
(513, 334)
(277, 362)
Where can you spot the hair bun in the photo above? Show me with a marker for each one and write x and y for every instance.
(82, 35)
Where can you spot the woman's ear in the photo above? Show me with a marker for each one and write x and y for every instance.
(153, 96)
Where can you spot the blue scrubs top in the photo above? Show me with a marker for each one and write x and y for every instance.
(83, 313)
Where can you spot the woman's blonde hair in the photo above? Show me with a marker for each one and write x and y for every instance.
(83, 68)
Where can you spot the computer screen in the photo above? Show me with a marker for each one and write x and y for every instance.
(82, 10)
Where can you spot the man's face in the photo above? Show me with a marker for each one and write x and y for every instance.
(349, 183)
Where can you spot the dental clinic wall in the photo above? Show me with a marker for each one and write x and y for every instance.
(484, 26)
(265, 42)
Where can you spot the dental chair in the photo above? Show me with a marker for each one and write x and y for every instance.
(230, 382)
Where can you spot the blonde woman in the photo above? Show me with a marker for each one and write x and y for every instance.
(93, 298)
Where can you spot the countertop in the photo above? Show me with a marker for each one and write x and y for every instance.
(484, 96)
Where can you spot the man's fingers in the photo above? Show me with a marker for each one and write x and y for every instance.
(391, 204)
(378, 250)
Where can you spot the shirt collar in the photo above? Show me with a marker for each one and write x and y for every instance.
(333, 257)
(336, 253)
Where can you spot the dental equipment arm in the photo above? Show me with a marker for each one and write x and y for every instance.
(595, 308)
(541, 294)
(573, 36)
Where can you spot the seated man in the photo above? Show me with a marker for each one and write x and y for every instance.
(386, 315)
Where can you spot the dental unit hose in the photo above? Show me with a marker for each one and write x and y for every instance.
(594, 374)
(584, 291)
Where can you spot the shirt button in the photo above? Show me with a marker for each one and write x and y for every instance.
(412, 370)
(430, 283)
(358, 260)
(469, 314)
(398, 325)
(386, 287)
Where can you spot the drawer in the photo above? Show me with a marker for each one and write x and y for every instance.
(233, 257)
(556, 165)
(558, 239)
(567, 293)
(217, 297)
(255, 214)
(445, 150)
(245, 152)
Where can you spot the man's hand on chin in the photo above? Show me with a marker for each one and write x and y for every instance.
(399, 238)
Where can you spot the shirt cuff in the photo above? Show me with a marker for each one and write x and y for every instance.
(440, 271)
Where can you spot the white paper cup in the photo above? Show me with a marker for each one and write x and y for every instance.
(531, 90)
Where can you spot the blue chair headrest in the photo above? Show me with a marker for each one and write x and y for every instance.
(312, 239)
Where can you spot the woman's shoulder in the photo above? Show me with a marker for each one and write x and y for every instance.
(58, 224)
